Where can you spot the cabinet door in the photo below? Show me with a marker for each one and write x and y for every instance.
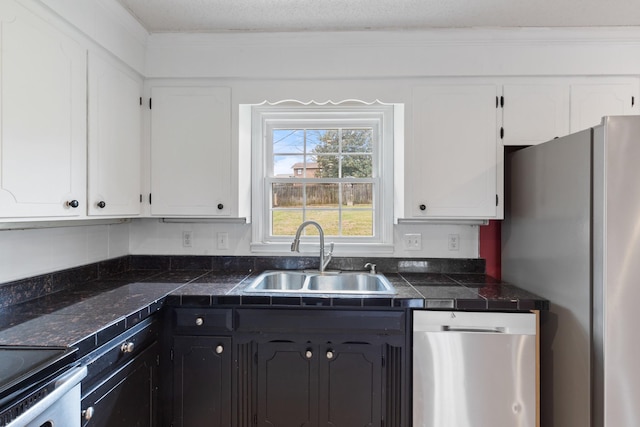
(350, 385)
(42, 118)
(287, 392)
(534, 113)
(590, 102)
(190, 151)
(129, 396)
(115, 140)
(454, 159)
(202, 381)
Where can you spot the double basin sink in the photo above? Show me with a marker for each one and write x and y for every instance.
(314, 282)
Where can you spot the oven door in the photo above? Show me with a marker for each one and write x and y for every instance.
(61, 407)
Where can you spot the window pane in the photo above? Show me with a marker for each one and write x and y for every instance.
(328, 166)
(285, 222)
(287, 195)
(328, 219)
(357, 166)
(290, 141)
(357, 223)
(323, 141)
(284, 166)
(357, 141)
(358, 195)
(322, 195)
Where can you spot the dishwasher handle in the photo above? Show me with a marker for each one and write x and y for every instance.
(474, 322)
(474, 329)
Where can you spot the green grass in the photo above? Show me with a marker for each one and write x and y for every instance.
(354, 222)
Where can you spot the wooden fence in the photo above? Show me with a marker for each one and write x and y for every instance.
(285, 195)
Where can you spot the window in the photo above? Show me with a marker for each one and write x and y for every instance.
(329, 163)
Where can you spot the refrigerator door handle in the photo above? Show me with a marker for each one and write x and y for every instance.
(474, 329)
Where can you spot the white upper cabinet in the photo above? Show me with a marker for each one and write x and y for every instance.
(115, 117)
(191, 151)
(455, 161)
(591, 101)
(42, 118)
(534, 113)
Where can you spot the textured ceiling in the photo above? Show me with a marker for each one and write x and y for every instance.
(326, 15)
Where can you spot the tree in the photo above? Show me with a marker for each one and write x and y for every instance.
(355, 153)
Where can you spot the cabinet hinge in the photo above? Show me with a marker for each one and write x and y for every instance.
(149, 103)
(497, 200)
(501, 133)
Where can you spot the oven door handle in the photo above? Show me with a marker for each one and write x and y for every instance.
(64, 383)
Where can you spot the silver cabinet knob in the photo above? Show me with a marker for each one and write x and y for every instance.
(219, 349)
(127, 347)
(199, 321)
(87, 414)
(330, 354)
(308, 354)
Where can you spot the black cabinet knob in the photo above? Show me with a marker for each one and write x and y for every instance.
(101, 204)
(73, 203)
(423, 207)
(220, 206)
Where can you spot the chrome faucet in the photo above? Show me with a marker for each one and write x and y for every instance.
(324, 258)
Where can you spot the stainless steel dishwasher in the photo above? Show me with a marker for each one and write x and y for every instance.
(473, 369)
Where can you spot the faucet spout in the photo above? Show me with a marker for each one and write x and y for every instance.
(324, 257)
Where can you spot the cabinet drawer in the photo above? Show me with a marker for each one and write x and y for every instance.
(119, 351)
(127, 397)
(198, 321)
(387, 322)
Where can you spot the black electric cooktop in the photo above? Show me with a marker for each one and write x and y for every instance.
(21, 366)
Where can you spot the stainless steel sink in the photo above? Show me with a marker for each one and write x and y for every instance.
(304, 282)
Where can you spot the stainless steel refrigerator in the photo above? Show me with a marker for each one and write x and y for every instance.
(572, 234)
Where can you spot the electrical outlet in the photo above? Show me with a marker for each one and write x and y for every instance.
(187, 239)
(454, 242)
(223, 241)
(412, 242)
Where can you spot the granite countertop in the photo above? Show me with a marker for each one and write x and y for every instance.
(89, 313)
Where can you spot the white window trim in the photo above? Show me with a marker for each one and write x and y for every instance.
(391, 119)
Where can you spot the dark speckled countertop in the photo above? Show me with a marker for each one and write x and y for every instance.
(95, 308)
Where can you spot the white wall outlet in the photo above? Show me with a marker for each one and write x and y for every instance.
(223, 240)
(187, 238)
(454, 242)
(413, 241)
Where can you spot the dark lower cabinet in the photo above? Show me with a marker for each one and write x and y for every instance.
(351, 385)
(286, 367)
(317, 368)
(287, 384)
(128, 397)
(121, 386)
(309, 384)
(202, 381)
